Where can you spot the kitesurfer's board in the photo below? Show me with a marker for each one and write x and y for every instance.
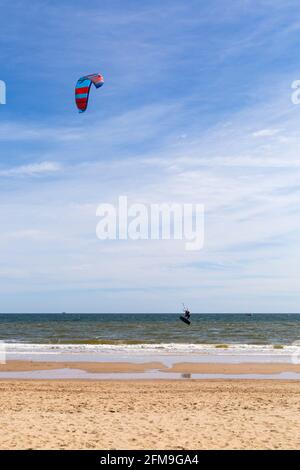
(185, 320)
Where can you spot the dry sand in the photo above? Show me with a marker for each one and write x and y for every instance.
(225, 414)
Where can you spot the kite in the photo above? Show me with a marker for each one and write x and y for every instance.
(82, 89)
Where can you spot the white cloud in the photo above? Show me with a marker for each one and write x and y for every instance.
(14, 132)
(30, 234)
(266, 133)
(33, 169)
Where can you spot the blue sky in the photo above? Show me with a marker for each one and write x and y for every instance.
(195, 108)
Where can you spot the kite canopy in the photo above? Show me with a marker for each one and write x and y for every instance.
(82, 89)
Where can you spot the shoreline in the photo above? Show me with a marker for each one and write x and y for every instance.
(127, 367)
(146, 370)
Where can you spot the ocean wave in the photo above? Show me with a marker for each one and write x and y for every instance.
(151, 348)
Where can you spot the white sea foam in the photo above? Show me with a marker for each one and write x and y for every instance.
(160, 348)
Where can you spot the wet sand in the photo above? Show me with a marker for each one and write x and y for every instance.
(132, 367)
(148, 414)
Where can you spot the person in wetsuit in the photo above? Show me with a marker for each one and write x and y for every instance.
(187, 313)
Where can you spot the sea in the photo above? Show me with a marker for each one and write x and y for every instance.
(150, 332)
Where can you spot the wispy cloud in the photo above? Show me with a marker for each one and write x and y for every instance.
(34, 169)
(266, 133)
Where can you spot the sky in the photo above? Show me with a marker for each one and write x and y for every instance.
(196, 108)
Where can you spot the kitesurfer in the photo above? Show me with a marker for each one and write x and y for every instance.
(187, 313)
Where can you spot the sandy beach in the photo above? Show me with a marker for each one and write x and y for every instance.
(145, 414)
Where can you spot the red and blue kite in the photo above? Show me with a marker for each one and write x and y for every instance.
(82, 89)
